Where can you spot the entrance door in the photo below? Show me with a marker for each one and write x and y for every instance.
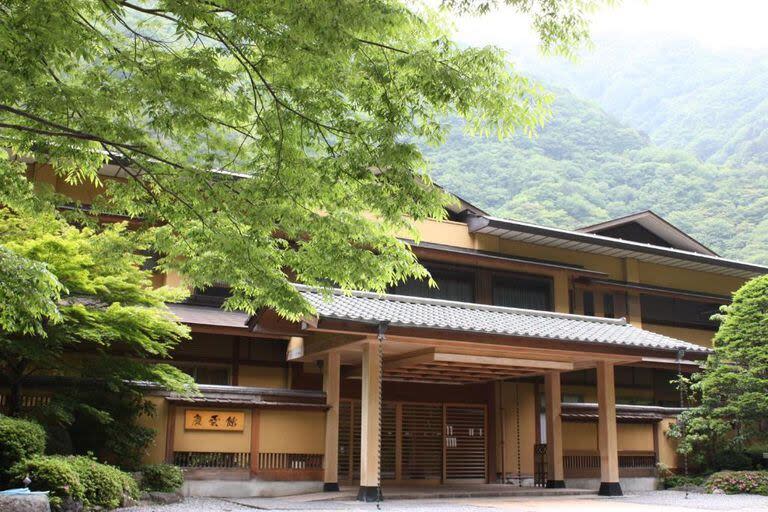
(465, 444)
(428, 442)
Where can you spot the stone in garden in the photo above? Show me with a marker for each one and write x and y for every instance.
(24, 503)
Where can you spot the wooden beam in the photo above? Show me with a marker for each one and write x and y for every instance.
(502, 361)
(331, 386)
(607, 436)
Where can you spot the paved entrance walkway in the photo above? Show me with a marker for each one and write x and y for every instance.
(659, 501)
(436, 492)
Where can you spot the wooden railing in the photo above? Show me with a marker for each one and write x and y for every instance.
(222, 460)
(290, 461)
(631, 463)
(586, 464)
(290, 466)
(27, 401)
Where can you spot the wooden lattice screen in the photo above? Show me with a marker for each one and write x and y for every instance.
(465, 454)
(418, 436)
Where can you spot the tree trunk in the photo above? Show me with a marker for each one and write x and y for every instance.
(14, 399)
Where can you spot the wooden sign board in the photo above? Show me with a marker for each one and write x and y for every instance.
(227, 421)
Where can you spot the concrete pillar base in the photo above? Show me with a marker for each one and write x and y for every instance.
(610, 489)
(555, 484)
(331, 487)
(369, 494)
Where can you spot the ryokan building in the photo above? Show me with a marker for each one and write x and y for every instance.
(544, 357)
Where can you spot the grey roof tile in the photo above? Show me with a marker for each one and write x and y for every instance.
(405, 311)
(205, 315)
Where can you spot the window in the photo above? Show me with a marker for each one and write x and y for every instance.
(657, 309)
(212, 296)
(523, 292)
(218, 375)
(458, 285)
(589, 303)
(609, 311)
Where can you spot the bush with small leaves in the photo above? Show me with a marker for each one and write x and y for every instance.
(161, 478)
(19, 439)
(53, 474)
(103, 484)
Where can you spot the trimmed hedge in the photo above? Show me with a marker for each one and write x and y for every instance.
(103, 485)
(676, 481)
(78, 478)
(19, 440)
(53, 474)
(739, 482)
(161, 478)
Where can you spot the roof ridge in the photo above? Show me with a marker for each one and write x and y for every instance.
(463, 305)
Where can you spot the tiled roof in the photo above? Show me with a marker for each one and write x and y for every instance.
(205, 315)
(405, 311)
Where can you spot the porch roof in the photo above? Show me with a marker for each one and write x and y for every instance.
(417, 312)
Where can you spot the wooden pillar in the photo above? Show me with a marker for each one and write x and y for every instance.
(562, 294)
(369, 423)
(555, 475)
(170, 433)
(255, 424)
(609, 448)
(331, 383)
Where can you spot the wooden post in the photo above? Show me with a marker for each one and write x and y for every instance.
(331, 383)
(398, 442)
(562, 295)
(609, 448)
(555, 475)
(255, 424)
(170, 431)
(369, 424)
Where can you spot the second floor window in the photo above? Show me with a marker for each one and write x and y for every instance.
(451, 285)
(523, 292)
(677, 312)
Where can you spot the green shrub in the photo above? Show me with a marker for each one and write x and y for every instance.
(731, 460)
(739, 482)
(103, 484)
(162, 478)
(674, 481)
(130, 486)
(50, 473)
(19, 439)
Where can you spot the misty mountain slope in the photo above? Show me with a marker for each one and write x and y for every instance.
(683, 96)
(585, 166)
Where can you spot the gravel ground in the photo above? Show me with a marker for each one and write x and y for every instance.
(658, 501)
(663, 499)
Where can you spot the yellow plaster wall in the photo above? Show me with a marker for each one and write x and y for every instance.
(292, 432)
(527, 428)
(635, 437)
(672, 277)
(443, 232)
(614, 267)
(211, 441)
(263, 376)
(158, 421)
(698, 336)
(667, 446)
(579, 437)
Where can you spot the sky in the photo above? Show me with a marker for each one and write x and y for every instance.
(719, 25)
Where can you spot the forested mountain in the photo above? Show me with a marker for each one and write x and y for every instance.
(585, 166)
(714, 105)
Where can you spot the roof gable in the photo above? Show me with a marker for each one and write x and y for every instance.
(649, 228)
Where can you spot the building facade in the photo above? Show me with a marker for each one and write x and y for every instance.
(543, 357)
